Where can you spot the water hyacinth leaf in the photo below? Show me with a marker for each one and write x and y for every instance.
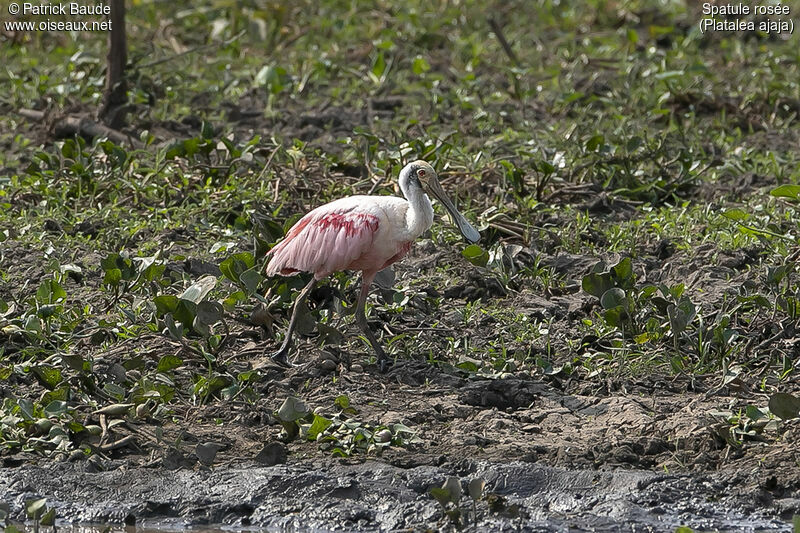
(613, 298)
(112, 277)
(681, 315)
(233, 267)
(207, 451)
(201, 329)
(440, 495)
(48, 518)
(736, 214)
(185, 312)
(47, 376)
(35, 508)
(379, 66)
(476, 487)
(209, 313)
(271, 78)
(595, 142)
(74, 362)
(50, 291)
(343, 403)
(785, 406)
(26, 408)
(597, 284)
(786, 191)
(623, 273)
(318, 426)
(115, 409)
(293, 409)
(306, 323)
(614, 316)
(169, 362)
(452, 485)
(55, 408)
(230, 302)
(199, 289)
(165, 303)
(251, 279)
(476, 255)
(172, 328)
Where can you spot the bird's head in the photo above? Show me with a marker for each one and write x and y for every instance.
(420, 174)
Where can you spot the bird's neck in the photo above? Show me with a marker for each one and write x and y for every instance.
(419, 217)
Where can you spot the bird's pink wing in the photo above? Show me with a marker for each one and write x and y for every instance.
(324, 241)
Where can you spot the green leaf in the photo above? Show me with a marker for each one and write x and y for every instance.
(319, 425)
(669, 74)
(55, 408)
(233, 267)
(476, 487)
(784, 405)
(50, 291)
(48, 376)
(452, 485)
(293, 409)
(165, 303)
(440, 495)
(595, 142)
(199, 289)
(614, 317)
(681, 315)
(251, 279)
(623, 273)
(113, 277)
(174, 331)
(185, 312)
(613, 298)
(169, 362)
(379, 66)
(35, 508)
(420, 65)
(207, 130)
(48, 518)
(476, 255)
(209, 313)
(736, 214)
(342, 401)
(754, 413)
(597, 284)
(786, 191)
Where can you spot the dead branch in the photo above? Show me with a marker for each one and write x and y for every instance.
(81, 125)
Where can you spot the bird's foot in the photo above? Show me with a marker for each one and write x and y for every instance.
(281, 358)
(383, 363)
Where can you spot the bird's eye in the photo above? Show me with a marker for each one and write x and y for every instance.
(421, 173)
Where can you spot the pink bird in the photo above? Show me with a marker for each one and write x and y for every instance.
(366, 233)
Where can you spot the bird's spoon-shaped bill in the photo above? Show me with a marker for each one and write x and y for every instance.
(466, 229)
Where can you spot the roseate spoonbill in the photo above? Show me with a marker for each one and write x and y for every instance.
(366, 233)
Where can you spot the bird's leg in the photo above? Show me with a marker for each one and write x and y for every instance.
(361, 320)
(281, 356)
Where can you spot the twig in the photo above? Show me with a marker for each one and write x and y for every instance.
(498, 31)
(191, 51)
(77, 125)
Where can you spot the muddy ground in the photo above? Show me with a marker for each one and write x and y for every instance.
(575, 454)
(559, 450)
